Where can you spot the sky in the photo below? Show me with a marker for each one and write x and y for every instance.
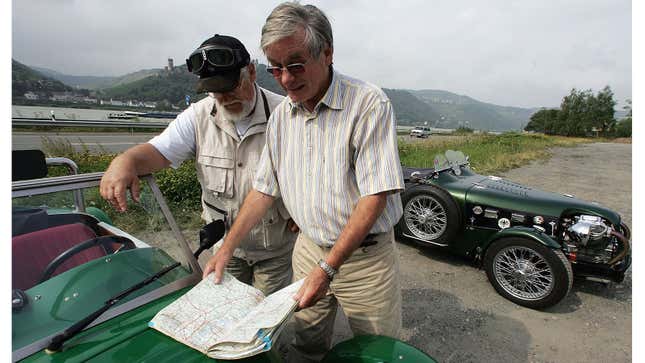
(512, 53)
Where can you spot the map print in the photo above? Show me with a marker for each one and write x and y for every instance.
(230, 320)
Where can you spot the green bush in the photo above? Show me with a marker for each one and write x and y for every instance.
(624, 128)
(181, 185)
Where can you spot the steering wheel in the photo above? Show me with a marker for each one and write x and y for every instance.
(105, 241)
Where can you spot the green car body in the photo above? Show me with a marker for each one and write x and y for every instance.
(453, 207)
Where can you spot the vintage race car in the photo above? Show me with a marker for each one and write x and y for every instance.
(86, 281)
(530, 242)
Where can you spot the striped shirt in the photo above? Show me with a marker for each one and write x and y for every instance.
(322, 162)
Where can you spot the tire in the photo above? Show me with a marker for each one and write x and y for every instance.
(430, 215)
(520, 256)
(625, 230)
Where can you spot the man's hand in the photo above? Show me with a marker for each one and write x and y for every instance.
(313, 289)
(217, 263)
(123, 172)
(118, 178)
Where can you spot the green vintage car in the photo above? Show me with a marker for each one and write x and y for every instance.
(530, 242)
(86, 281)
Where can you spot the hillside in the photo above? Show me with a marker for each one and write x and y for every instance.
(169, 86)
(412, 107)
(25, 79)
(96, 82)
(410, 110)
(459, 109)
(174, 86)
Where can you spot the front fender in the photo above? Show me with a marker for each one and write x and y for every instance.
(524, 232)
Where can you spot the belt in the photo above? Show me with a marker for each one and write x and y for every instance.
(369, 240)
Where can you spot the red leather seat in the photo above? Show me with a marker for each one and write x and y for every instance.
(32, 252)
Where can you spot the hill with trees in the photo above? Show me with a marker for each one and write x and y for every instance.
(435, 108)
(459, 110)
(97, 82)
(410, 110)
(25, 79)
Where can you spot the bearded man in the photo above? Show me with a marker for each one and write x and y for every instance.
(225, 134)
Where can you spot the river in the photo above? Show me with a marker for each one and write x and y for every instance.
(64, 113)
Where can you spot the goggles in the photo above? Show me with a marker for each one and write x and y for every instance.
(293, 68)
(215, 55)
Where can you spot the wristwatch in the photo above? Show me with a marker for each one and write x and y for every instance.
(330, 271)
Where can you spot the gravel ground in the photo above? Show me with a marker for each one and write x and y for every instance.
(451, 311)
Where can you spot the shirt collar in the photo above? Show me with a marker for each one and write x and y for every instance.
(333, 97)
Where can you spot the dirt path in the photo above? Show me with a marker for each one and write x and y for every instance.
(452, 312)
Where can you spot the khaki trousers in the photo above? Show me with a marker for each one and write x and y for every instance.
(367, 287)
(268, 275)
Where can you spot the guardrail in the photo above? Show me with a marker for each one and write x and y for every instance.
(28, 121)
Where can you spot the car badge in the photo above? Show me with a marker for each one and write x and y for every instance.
(478, 210)
(517, 217)
(504, 223)
(490, 213)
(538, 219)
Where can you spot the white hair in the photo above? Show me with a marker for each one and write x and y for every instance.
(289, 17)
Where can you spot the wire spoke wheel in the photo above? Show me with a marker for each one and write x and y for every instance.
(425, 217)
(523, 273)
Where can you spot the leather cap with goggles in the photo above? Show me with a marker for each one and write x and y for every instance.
(217, 62)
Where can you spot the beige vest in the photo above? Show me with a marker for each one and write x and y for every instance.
(226, 168)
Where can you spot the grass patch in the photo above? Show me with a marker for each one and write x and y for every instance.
(179, 186)
(488, 153)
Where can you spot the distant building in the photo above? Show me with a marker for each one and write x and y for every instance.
(171, 65)
(31, 96)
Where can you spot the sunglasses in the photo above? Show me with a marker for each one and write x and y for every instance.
(214, 55)
(293, 68)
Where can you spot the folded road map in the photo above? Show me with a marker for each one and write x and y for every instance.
(230, 320)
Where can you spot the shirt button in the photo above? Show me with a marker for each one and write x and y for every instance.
(239, 165)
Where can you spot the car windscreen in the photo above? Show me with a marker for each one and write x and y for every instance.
(67, 263)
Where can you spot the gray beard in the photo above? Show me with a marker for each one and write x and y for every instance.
(247, 106)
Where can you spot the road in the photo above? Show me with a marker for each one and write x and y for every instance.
(95, 142)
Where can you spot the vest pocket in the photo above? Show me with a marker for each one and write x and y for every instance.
(270, 224)
(218, 174)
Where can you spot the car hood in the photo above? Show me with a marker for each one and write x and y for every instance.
(502, 193)
(127, 338)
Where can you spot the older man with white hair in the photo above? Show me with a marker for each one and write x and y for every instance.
(331, 155)
(225, 133)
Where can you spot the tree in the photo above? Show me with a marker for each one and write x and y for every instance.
(624, 126)
(583, 114)
(544, 120)
(603, 111)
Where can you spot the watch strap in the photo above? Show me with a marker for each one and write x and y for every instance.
(329, 271)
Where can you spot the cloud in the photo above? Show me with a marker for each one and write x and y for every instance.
(511, 53)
